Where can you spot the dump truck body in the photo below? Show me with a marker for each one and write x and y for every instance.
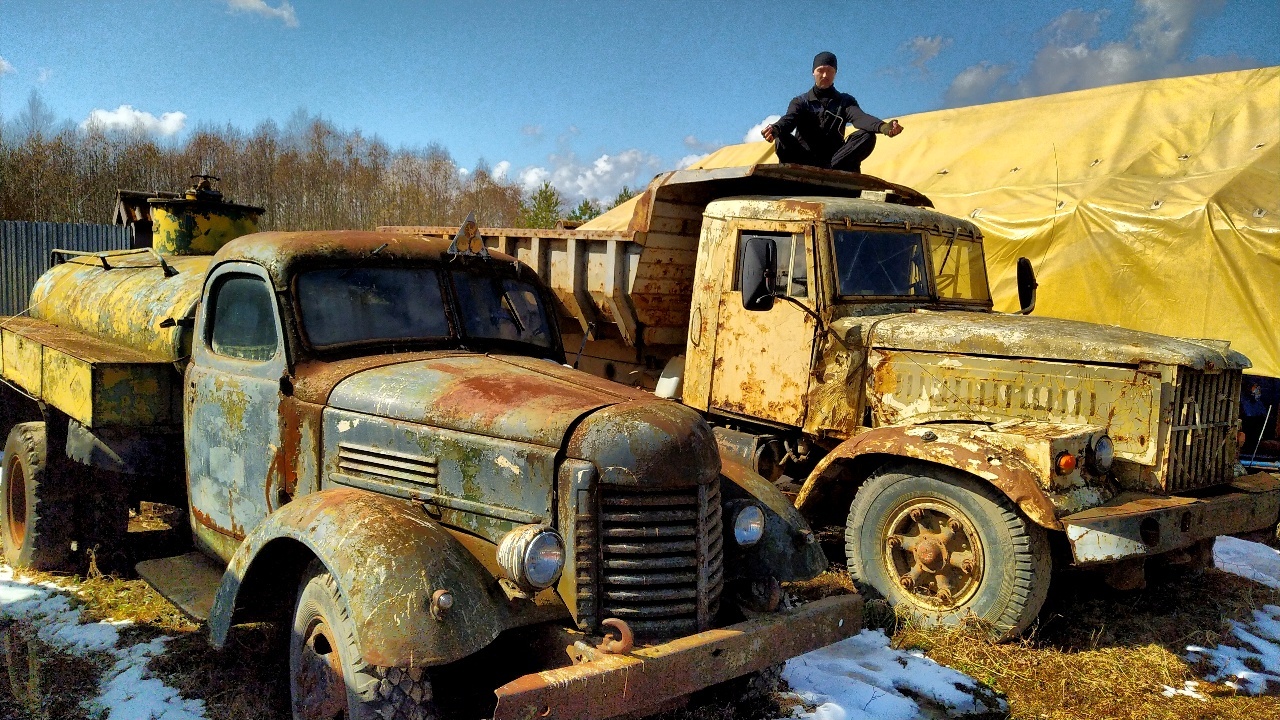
(872, 353)
(377, 434)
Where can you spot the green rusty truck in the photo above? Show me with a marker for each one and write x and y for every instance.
(378, 444)
(838, 334)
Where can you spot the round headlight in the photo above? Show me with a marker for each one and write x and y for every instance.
(748, 526)
(532, 556)
(1102, 454)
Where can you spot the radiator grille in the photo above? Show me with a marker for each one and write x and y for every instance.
(388, 465)
(662, 558)
(1202, 440)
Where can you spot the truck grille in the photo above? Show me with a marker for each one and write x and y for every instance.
(1202, 440)
(662, 558)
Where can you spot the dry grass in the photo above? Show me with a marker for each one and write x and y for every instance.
(1099, 654)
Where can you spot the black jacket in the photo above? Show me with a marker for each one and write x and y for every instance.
(819, 118)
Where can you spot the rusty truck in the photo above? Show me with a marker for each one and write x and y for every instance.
(838, 334)
(379, 445)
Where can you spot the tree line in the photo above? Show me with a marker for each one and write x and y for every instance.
(307, 175)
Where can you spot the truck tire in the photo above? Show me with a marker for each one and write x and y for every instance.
(38, 511)
(942, 547)
(327, 676)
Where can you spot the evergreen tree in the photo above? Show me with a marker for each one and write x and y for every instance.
(623, 195)
(543, 208)
(586, 210)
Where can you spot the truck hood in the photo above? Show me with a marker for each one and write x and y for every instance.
(510, 397)
(1007, 335)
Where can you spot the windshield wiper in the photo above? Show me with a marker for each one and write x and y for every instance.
(510, 307)
(363, 260)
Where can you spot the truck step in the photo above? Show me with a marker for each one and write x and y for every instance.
(188, 581)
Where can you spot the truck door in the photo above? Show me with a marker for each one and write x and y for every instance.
(762, 358)
(232, 400)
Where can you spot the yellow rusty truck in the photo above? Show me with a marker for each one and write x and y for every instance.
(383, 450)
(838, 334)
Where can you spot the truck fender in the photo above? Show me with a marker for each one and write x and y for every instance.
(948, 445)
(388, 558)
(789, 551)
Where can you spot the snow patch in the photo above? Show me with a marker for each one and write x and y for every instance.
(862, 678)
(1252, 662)
(1252, 560)
(1188, 688)
(128, 689)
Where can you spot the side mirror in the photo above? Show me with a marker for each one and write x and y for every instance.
(1026, 286)
(759, 268)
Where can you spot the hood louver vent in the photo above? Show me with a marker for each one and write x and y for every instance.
(387, 465)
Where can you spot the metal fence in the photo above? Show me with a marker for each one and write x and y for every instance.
(25, 249)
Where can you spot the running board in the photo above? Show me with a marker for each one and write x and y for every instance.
(188, 581)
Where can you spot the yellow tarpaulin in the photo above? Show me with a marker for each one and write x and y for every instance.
(1151, 205)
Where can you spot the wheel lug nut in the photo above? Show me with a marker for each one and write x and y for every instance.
(954, 525)
(944, 596)
(917, 514)
(967, 567)
(895, 541)
(907, 582)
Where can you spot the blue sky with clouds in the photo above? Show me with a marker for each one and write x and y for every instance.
(590, 95)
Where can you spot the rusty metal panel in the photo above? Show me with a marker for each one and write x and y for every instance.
(914, 387)
(25, 249)
(476, 394)
(1137, 525)
(96, 383)
(649, 676)
(482, 484)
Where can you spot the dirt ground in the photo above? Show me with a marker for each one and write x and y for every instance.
(1094, 653)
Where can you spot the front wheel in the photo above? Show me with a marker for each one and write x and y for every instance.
(942, 546)
(328, 679)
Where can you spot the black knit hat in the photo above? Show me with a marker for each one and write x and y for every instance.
(824, 58)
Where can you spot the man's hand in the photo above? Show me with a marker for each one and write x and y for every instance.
(894, 128)
(767, 133)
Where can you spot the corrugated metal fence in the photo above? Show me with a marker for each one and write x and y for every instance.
(25, 249)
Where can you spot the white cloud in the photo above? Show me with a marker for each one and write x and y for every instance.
(753, 135)
(688, 160)
(923, 49)
(284, 13)
(531, 130)
(43, 76)
(600, 179)
(6, 67)
(501, 169)
(126, 118)
(700, 146)
(1157, 46)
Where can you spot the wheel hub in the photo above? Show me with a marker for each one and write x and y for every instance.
(15, 498)
(322, 689)
(934, 551)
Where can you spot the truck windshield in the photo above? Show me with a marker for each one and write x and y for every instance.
(960, 272)
(358, 305)
(876, 263)
(501, 308)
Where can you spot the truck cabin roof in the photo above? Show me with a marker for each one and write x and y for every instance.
(284, 254)
(857, 211)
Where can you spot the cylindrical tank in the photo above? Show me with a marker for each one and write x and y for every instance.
(127, 298)
(200, 222)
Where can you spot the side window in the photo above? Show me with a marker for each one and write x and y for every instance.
(793, 272)
(243, 323)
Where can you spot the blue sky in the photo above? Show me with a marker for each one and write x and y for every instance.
(589, 95)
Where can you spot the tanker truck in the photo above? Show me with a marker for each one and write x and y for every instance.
(379, 446)
(838, 335)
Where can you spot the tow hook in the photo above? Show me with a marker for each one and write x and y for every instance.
(624, 641)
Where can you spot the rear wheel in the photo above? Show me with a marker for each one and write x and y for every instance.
(328, 679)
(942, 546)
(38, 510)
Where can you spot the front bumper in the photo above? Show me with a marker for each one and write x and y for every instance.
(649, 676)
(1144, 525)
